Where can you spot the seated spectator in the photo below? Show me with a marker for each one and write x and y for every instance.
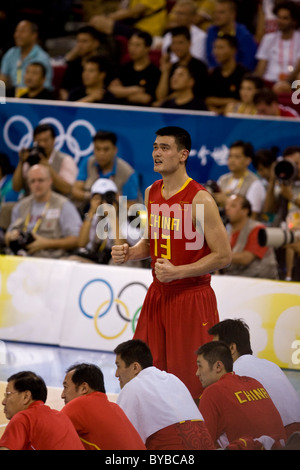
(225, 79)
(93, 90)
(100, 423)
(182, 83)
(34, 81)
(139, 14)
(105, 164)
(235, 407)
(249, 259)
(267, 104)
(63, 167)
(266, 21)
(205, 13)
(94, 248)
(250, 85)
(157, 403)
(279, 52)
(235, 333)
(183, 13)
(181, 46)
(137, 79)
(32, 424)
(89, 42)
(241, 180)
(225, 24)
(15, 60)
(44, 224)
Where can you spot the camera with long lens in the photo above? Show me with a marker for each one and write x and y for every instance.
(24, 239)
(276, 237)
(285, 171)
(35, 153)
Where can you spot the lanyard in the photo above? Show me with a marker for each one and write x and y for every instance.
(39, 220)
(290, 61)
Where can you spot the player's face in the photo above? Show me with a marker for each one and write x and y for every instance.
(13, 401)
(69, 391)
(206, 374)
(124, 373)
(166, 155)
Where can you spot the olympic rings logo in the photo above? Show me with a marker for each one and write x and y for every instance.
(62, 137)
(105, 307)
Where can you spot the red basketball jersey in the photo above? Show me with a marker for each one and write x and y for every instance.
(172, 233)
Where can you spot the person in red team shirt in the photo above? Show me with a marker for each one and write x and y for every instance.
(237, 410)
(187, 241)
(34, 425)
(100, 423)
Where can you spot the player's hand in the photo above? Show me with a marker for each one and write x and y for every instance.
(120, 253)
(164, 270)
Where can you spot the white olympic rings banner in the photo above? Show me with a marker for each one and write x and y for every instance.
(96, 307)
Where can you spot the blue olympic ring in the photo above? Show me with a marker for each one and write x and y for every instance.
(110, 302)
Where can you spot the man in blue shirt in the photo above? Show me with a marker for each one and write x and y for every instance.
(105, 164)
(26, 51)
(225, 23)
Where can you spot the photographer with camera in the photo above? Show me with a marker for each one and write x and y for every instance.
(62, 167)
(283, 200)
(249, 259)
(44, 224)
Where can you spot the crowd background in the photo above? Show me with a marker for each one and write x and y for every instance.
(224, 56)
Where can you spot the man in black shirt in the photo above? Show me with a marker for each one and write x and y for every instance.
(34, 80)
(225, 79)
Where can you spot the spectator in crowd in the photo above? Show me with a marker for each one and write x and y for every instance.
(241, 180)
(137, 79)
(34, 81)
(105, 164)
(205, 13)
(96, 72)
(225, 79)
(44, 224)
(236, 409)
(32, 424)
(225, 24)
(157, 403)
(250, 84)
(95, 245)
(249, 259)
(63, 167)
(180, 45)
(235, 333)
(182, 83)
(139, 14)
(183, 13)
(267, 104)
(100, 423)
(266, 21)
(27, 50)
(279, 52)
(89, 42)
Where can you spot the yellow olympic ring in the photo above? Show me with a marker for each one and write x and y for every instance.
(118, 301)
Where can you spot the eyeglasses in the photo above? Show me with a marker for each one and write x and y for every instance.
(7, 394)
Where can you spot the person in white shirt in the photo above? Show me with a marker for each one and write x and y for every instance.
(235, 333)
(240, 180)
(279, 52)
(157, 403)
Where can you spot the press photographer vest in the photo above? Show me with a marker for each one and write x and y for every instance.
(50, 223)
(123, 172)
(263, 268)
(243, 185)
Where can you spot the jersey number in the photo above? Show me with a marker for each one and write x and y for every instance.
(163, 248)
